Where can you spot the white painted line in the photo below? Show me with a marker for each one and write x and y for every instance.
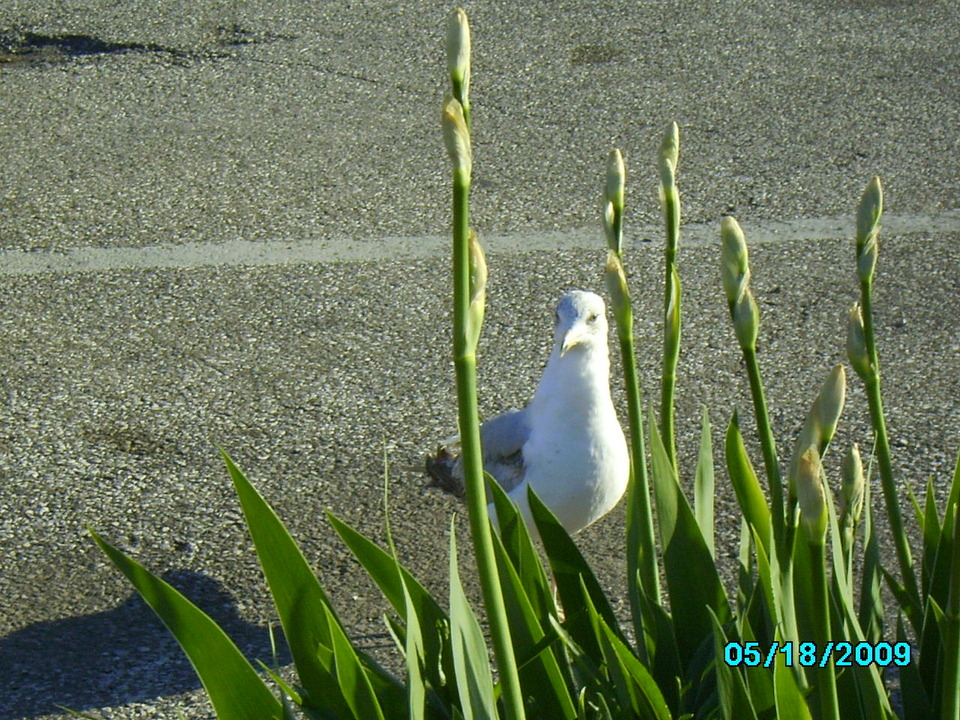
(244, 252)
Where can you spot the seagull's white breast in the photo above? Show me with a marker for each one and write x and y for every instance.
(576, 456)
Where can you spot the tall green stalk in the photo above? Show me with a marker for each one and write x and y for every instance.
(641, 545)
(469, 279)
(862, 351)
(670, 199)
(735, 273)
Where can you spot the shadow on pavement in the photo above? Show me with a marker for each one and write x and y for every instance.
(115, 657)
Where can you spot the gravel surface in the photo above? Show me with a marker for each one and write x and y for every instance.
(166, 124)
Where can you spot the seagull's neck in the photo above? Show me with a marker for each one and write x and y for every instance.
(584, 375)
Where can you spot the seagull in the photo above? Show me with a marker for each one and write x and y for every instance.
(567, 443)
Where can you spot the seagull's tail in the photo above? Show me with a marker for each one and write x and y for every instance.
(444, 468)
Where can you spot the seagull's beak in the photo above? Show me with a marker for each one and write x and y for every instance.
(575, 336)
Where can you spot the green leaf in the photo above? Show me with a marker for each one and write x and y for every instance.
(352, 675)
(746, 486)
(790, 701)
(734, 698)
(703, 487)
(643, 694)
(416, 687)
(930, 647)
(522, 554)
(666, 667)
(546, 689)
(434, 624)
(768, 577)
(300, 600)
(915, 701)
(870, 613)
(470, 660)
(941, 567)
(569, 570)
(930, 529)
(693, 584)
(861, 692)
(236, 691)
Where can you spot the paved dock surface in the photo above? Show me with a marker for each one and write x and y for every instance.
(223, 224)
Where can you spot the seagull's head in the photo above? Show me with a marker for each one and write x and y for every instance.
(581, 322)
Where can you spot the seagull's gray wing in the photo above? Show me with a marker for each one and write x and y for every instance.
(502, 438)
(504, 434)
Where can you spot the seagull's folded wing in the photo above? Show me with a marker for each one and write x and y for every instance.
(502, 438)
(504, 434)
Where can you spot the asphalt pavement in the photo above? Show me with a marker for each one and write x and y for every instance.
(223, 224)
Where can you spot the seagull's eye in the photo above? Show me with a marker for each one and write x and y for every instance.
(592, 318)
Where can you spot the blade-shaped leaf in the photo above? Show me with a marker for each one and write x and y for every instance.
(570, 569)
(746, 486)
(644, 695)
(870, 612)
(692, 580)
(352, 674)
(301, 601)
(433, 621)
(470, 660)
(235, 689)
(791, 704)
(930, 529)
(703, 487)
(864, 693)
(942, 567)
(734, 698)
(416, 689)
(915, 700)
(666, 656)
(522, 553)
(547, 691)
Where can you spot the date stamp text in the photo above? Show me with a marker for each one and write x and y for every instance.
(808, 654)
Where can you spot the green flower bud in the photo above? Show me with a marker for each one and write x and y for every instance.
(868, 214)
(746, 319)
(478, 291)
(667, 176)
(616, 179)
(458, 55)
(734, 263)
(810, 496)
(857, 344)
(867, 259)
(852, 488)
(820, 423)
(456, 137)
(670, 147)
(616, 280)
(609, 227)
(672, 315)
(829, 405)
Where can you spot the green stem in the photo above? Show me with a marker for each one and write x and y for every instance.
(890, 496)
(768, 444)
(826, 675)
(465, 362)
(642, 560)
